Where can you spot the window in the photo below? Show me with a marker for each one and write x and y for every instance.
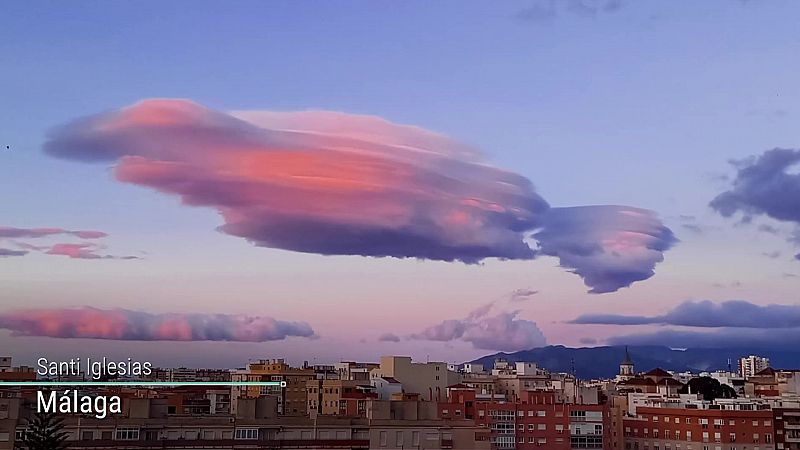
(127, 434)
(767, 423)
(530, 427)
(246, 433)
(415, 438)
(481, 413)
(520, 413)
(541, 413)
(5, 436)
(677, 420)
(541, 427)
(384, 436)
(530, 413)
(87, 435)
(768, 438)
(655, 418)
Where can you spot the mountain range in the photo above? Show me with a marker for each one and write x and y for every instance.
(603, 362)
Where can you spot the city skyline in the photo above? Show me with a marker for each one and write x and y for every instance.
(221, 181)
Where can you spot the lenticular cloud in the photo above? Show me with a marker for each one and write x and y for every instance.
(123, 324)
(339, 184)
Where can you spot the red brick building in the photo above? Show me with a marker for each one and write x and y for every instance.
(699, 429)
(537, 420)
(787, 429)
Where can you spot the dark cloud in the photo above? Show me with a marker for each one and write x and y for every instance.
(732, 313)
(546, 10)
(765, 228)
(752, 338)
(126, 325)
(5, 252)
(338, 184)
(12, 232)
(764, 185)
(519, 295)
(389, 337)
(694, 228)
(504, 332)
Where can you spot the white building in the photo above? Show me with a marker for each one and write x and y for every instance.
(751, 365)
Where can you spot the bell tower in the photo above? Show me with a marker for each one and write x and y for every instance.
(626, 366)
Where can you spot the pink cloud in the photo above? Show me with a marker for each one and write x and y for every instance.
(82, 251)
(122, 324)
(12, 232)
(339, 184)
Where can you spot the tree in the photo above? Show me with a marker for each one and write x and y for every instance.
(45, 431)
(709, 388)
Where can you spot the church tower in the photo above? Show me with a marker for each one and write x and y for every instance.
(626, 366)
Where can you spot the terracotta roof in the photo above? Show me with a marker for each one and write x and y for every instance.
(638, 382)
(459, 386)
(658, 372)
(767, 371)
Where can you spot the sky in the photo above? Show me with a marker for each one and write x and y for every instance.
(207, 182)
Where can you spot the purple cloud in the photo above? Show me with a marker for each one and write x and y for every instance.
(762, 338)
(732, 313)
(389, 337)
(503, 331)
(764, 185)
(5, 252)
(610, 247)
(519, 295)
(338, 184)
(126, 325)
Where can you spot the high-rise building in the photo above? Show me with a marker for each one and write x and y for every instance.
(751, 365)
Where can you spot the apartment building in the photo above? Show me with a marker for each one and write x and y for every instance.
(692, 428)
(146, 424)
(338, 397)
(787, 429)
(430, 380)
(292, 397)
(751, 365)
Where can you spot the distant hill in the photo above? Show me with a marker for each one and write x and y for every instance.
(603, 362)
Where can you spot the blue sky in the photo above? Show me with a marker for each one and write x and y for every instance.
(642, 105)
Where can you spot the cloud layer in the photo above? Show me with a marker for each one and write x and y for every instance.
(748, 338)
(708, 314)
(122, 324)
(81, 250)
(12, 232)
(339, 184)
(503, 331)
